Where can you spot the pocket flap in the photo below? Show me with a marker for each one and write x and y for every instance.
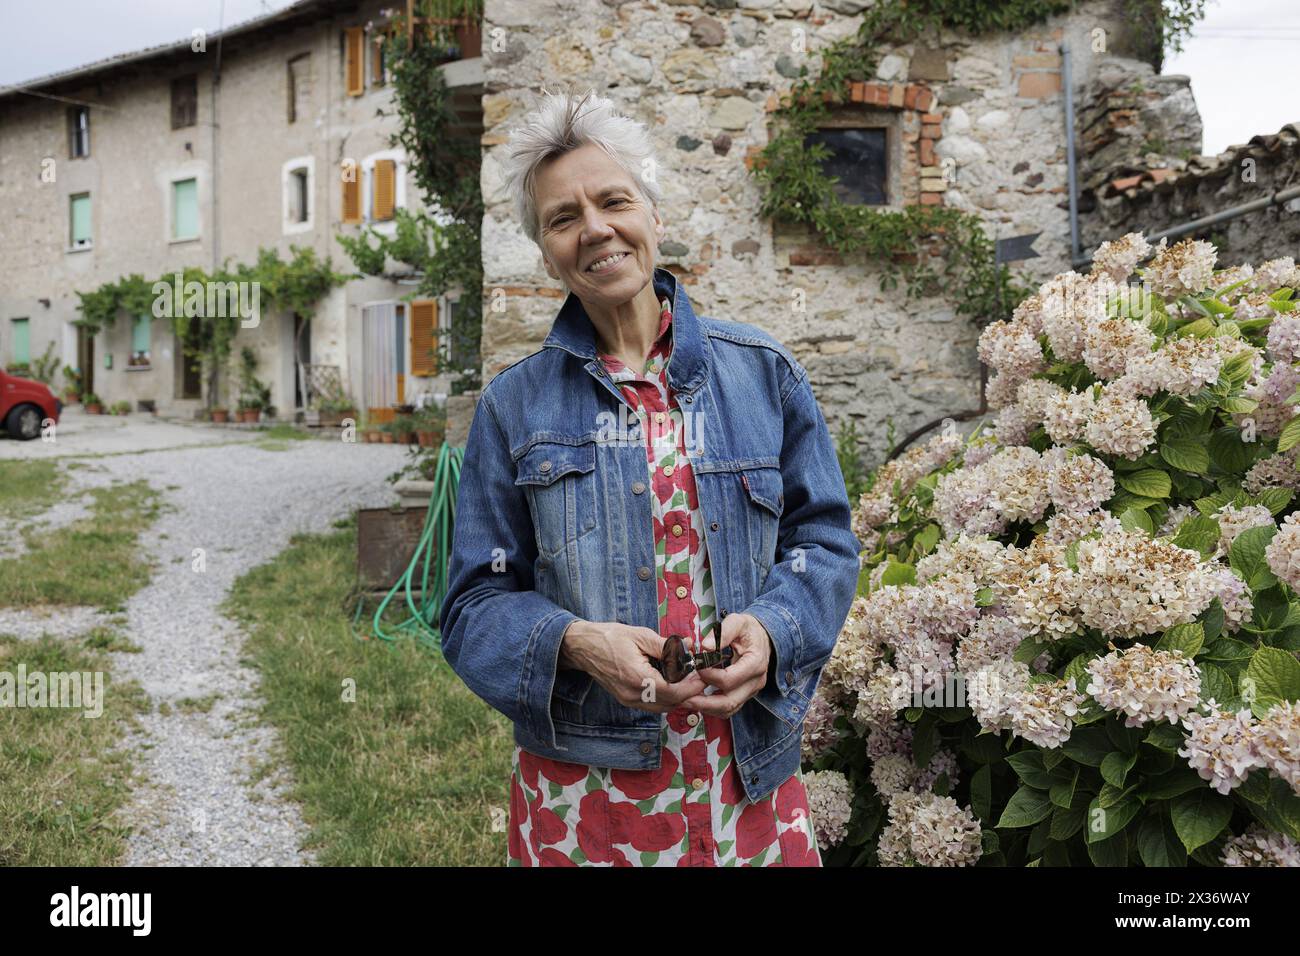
(765, 487)
(546, 461)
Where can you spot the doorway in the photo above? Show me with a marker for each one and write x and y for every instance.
(302, 358)
(86, 359)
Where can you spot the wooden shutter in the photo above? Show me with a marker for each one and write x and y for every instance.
(424, 339)
(351, 195)
(377, 62)
(384, 192)
(354, 60)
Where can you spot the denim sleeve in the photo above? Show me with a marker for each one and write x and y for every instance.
(810, 588)
(500, 636)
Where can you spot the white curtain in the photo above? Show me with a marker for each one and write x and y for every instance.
(379, 337)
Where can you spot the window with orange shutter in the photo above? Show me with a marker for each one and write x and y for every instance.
(384, 190)
(351, 193)
(424, 340)
(354, 53)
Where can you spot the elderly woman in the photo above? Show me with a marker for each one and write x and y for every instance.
(646, 489)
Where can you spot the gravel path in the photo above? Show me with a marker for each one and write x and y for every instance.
(196, 804)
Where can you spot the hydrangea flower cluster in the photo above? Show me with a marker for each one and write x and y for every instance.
(830, 804)
(1033, 561)
(1283, 552)
(1145, 684)
(926, 829)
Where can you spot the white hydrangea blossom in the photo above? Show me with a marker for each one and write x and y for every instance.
(1120, 426)
(1144, 684)
(1119, 257)
(1257, 846)
(925, 829)
(1186, 268)
(1079, 484)
(1220, 746)
(1130, 584)
(1283, 552)
(1277, 742)
(830, 804)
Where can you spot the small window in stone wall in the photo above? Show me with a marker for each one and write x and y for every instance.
(185, 101)
(859, 159)
(141, 333)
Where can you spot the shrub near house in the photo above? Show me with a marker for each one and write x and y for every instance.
(1110, 578)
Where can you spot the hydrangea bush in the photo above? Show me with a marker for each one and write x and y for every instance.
(1075, 636)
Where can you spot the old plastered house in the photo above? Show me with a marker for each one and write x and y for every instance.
(199, 152)
(706, 77)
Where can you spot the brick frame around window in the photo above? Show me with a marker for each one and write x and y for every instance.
(918, 176)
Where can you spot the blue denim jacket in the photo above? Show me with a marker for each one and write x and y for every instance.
(553, 523)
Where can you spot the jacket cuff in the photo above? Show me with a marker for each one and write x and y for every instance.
(787, 641)
(541, 663)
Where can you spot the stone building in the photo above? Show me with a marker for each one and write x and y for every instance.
(203, 151)
(974, 123)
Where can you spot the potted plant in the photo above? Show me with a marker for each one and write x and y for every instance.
(335, 408)
(386, 433)
(404, 429)
(92, 404)
(121, 408)
(219, 415)
(254, 394)
(431, 425)
(372, 433)
(249, 409)
(72, 390)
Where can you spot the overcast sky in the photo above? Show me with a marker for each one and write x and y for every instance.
(1241, 60)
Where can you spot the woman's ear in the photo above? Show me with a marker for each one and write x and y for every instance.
(660, 229)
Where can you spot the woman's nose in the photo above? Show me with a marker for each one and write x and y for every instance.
(595, 226)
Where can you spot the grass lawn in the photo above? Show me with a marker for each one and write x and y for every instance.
(94, 561)
(409, 772)
(60, 778)
(27, 488)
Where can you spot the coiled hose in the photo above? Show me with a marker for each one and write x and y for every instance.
(427, 571)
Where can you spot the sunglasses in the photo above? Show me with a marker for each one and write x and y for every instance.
(677, 661)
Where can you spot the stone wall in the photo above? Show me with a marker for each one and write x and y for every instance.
(979, 125)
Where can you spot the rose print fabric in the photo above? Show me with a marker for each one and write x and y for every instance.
(692, 811)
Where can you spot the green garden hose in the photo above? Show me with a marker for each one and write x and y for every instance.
(427, 571)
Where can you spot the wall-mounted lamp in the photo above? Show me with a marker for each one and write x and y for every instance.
(44, 302)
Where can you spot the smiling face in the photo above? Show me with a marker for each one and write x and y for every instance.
(590, 213)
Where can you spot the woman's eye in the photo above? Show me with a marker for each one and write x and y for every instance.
(615, 200)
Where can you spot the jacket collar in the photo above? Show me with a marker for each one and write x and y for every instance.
(688, 364)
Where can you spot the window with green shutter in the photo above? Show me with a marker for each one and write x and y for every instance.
(185, 209)
(80, 236)
(22, 342)
(140, 333)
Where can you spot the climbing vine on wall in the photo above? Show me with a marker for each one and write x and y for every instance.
(446, 248)
(296, 285)
(919, 245)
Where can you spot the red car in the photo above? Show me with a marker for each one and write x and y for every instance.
(25, 404)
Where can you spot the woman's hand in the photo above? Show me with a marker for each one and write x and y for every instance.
(618, 656)
(744, 677)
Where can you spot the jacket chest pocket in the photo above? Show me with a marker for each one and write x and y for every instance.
(560, 482)
(764, 492)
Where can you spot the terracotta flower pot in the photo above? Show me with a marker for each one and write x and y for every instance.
(248, 415)
(372, 436)
(94, 409)
(388, 438)
(404, 438)
(220, 416)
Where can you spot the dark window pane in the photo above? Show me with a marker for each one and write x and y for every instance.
(185, 101)
(857, 158)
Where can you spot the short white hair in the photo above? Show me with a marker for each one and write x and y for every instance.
(562, 123)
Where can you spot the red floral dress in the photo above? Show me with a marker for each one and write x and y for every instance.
(692, 811)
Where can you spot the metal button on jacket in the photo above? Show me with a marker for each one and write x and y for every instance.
(545, 466)
(646, 747)
(643, 573)
(638, 487)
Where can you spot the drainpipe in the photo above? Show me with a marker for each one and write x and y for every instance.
(213, 381)
(1067, 80)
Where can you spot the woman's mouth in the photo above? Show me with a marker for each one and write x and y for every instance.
(608, 264)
